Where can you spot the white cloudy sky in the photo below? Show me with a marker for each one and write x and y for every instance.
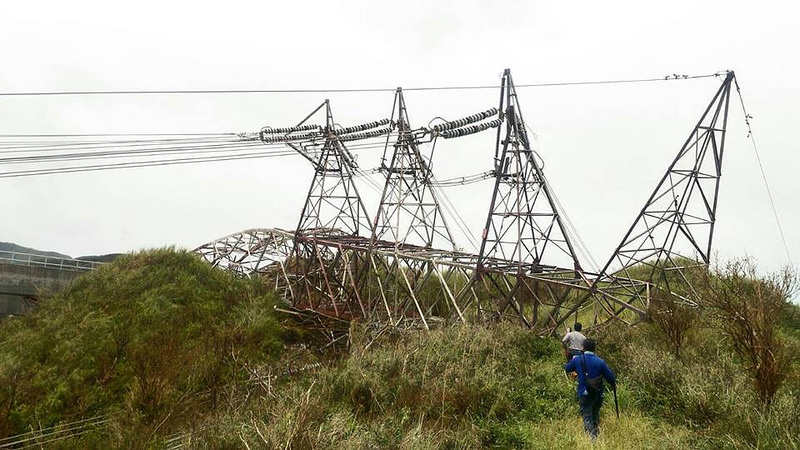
(605, 147)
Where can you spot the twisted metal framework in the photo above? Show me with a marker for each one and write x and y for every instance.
(326, 276)
(389, 273)
(255, 252)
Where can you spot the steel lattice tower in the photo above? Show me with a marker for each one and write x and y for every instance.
(333, 202)
(394, 270)
(675, 227)
(333, 210)
(674, 230)
(523, 226)
(409, 211)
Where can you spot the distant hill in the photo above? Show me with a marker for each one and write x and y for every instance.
(12, 247)
(101, 258)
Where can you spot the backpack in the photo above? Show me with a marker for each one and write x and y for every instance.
(594, 385)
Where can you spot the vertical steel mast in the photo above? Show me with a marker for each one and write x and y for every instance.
(409, 211)
(333, 202)
(333, 210)
(523, 226)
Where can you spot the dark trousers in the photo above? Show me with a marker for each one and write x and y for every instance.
(590, 411)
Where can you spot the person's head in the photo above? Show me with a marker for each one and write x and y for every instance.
(589, 345)
(578, 326)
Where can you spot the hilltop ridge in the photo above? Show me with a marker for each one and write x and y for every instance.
(12, 247)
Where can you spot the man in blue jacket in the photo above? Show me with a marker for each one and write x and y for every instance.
(591, 371)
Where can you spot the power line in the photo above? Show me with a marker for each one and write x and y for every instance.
(190, 155)
(226, 134)
(747, 118)
(672, 77)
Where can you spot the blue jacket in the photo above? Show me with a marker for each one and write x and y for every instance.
(594, 366)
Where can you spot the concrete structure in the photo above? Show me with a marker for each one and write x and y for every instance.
(24, 278)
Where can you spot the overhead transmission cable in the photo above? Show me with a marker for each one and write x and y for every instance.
(573, 230)
(229, 142)
(450, 209)
(672, 77)
(453, 212)
(152, 156)
(752, 138)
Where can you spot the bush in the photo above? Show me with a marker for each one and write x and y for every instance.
(749, 309)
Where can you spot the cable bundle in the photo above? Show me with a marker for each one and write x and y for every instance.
(461, 181)
(472, 129)
(362, 127)
(291, 137)
(35, 155)
(464, 121)
(365, 135)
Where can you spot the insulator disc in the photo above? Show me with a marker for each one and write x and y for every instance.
(362, 127)
(472, 129)
(465, 120)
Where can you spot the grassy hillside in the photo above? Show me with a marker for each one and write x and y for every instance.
(173, 352)
(502, 387)
(147, 338)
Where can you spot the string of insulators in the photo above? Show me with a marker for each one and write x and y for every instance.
(286, 130)
(465, 121)
(291, 137)
(472, 129)
(362, 127)
(365, 135)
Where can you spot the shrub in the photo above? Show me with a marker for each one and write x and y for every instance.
(673, 317)
(749, 309)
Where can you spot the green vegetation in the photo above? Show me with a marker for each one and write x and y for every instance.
(502, 387)
(176, 352)
(147, 339)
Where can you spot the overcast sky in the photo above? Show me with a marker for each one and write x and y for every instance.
(604, 147)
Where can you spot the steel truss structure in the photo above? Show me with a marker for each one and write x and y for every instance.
(390, 270)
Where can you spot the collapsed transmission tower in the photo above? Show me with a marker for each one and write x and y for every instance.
(523, 222)
(395, 270)
(333, 211)
(672, 234)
